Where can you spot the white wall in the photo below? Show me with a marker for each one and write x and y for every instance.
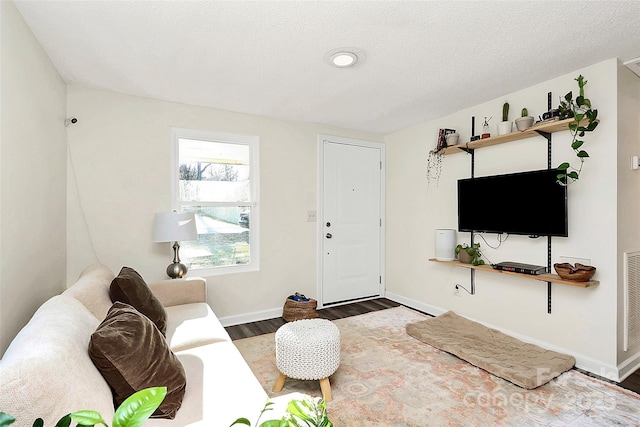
(628, 193)
(120, 150)
(32, 183)
(583, 321)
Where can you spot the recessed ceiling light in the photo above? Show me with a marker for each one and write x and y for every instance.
(344, 57)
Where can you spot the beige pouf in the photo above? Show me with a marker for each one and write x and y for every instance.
(308, 350)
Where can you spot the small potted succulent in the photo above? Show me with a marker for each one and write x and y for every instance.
(469, 254)
(525, 121)
(505, 126)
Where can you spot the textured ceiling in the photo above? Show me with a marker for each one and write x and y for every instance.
(423, 59)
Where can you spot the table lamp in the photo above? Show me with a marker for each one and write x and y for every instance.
(173, 227)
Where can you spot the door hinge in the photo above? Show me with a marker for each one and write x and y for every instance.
(380, 222)
(380, 279)
(380, 164)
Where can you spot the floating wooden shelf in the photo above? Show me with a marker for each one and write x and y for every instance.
(550, 127)
(547, 277)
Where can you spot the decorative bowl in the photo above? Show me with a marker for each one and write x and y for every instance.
(579, 273)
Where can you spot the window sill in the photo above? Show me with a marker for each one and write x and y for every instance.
(221, 271)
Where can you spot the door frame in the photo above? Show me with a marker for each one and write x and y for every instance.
(320, 212)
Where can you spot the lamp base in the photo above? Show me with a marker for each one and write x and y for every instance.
(176, 270)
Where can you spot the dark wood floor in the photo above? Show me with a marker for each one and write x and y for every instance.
(632, 382)
(332, 313)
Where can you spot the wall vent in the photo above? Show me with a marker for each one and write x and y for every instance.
(632, 299)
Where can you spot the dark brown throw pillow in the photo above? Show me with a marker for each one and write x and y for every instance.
(130, 288)
(132, 355)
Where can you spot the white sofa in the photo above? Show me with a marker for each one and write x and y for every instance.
(46, 372)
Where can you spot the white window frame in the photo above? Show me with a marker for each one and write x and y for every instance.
(253, 142)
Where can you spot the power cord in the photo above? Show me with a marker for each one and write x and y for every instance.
(500, 242)
(458, 287)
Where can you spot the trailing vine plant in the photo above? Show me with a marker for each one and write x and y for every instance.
(436, 157)
(434, 165)
(578, 109)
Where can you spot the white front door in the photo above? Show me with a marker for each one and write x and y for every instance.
(351, 227)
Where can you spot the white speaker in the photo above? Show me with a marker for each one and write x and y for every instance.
(445, 244)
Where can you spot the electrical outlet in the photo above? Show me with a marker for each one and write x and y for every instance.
(312, 216)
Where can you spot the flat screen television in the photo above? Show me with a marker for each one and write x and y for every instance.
(527, 203)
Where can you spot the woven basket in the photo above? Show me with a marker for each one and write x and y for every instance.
(298, 310)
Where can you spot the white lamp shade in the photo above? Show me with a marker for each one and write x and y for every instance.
(174, 227)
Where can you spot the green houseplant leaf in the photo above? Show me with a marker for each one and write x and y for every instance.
(6, 420)
(63, 422)
(135, 410)
(88, 418)
(300, 413)
(308, 412)
(576, 144)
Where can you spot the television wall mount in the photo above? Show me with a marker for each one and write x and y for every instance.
(471, 152)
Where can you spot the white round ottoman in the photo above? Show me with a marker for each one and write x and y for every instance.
(308, 349)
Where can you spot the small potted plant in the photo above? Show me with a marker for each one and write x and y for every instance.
(505, 126)
(525, 121)
(469, 254)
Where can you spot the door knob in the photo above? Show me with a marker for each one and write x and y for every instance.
(329, 235)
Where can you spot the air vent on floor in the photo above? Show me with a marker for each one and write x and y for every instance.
(634, 65)
(632, 299)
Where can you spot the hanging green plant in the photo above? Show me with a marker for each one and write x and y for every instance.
(436, 156)
(578, 109)
(434, 165)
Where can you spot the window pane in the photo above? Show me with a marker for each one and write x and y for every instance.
(223, 237)
(213, 171)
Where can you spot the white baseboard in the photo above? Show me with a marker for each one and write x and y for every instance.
(603, 370)
(415, 304)
(256, 316)
(629, 366)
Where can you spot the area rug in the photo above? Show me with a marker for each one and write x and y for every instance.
(388, 378)
(524, 364)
